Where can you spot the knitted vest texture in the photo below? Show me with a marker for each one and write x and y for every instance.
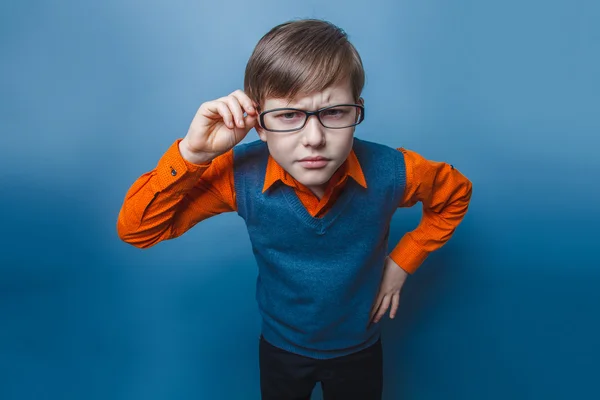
(318, 277)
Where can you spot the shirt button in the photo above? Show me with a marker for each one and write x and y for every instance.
(173, 172)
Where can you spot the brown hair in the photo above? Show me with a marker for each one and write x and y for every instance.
(302, 56)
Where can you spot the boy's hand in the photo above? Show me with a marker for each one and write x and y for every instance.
(389, 291)
(218, 126)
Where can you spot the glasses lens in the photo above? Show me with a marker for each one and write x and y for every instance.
(283, 120)
(291, 119)
(340, 116)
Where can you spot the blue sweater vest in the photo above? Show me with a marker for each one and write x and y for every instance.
(318, 277)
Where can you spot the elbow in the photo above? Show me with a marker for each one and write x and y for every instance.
(468, 189)
(132, 236)
(464, 189)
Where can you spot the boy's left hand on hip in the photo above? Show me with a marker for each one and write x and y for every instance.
(389, 291)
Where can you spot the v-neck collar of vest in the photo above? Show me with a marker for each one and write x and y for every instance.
(320, 225)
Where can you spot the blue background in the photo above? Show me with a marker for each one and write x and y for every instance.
(93, 93)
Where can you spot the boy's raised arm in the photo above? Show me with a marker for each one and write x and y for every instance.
(164, 203)
(445, 194)
(193, 180)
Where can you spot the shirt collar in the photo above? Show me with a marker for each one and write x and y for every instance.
(350, 168)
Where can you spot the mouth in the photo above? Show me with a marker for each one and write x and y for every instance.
(314, 162)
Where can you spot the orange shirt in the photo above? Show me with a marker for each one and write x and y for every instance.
(167, 201)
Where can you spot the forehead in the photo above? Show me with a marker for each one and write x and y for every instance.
(338, 93)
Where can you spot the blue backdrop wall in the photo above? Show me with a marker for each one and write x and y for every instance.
(93, 93)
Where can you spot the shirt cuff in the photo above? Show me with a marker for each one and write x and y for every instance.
(408, 254)
(174, 171)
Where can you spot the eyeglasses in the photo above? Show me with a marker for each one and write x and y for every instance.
(338, 116)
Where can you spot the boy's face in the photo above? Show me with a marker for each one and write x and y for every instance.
(332, 146)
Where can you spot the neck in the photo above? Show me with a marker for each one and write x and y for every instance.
(318, 191)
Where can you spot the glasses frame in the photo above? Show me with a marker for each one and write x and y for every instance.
(308, 115)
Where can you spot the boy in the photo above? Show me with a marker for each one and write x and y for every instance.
(317, 204)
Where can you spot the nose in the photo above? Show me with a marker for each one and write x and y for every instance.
(313, 133)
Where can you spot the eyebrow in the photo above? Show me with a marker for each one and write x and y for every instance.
(327, 101)
(327, 104)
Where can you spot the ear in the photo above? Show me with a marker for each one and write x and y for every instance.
(262, 134)
(361, 101)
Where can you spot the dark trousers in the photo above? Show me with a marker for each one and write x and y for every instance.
(288, 376)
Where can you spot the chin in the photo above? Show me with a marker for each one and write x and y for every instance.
(313, 177)
(315, 181)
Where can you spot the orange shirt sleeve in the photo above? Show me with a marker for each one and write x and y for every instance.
(164, 203)
(445, 195)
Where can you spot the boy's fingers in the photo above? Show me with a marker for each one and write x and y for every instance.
(218, 108)
(375, 307)
(249, 123)
(236, 110)
(225, 113)
(240, 133)
(244, 101)
(382, 309)
(395, 302)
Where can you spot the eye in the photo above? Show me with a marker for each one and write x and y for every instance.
(333, 112)
(287, 115)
